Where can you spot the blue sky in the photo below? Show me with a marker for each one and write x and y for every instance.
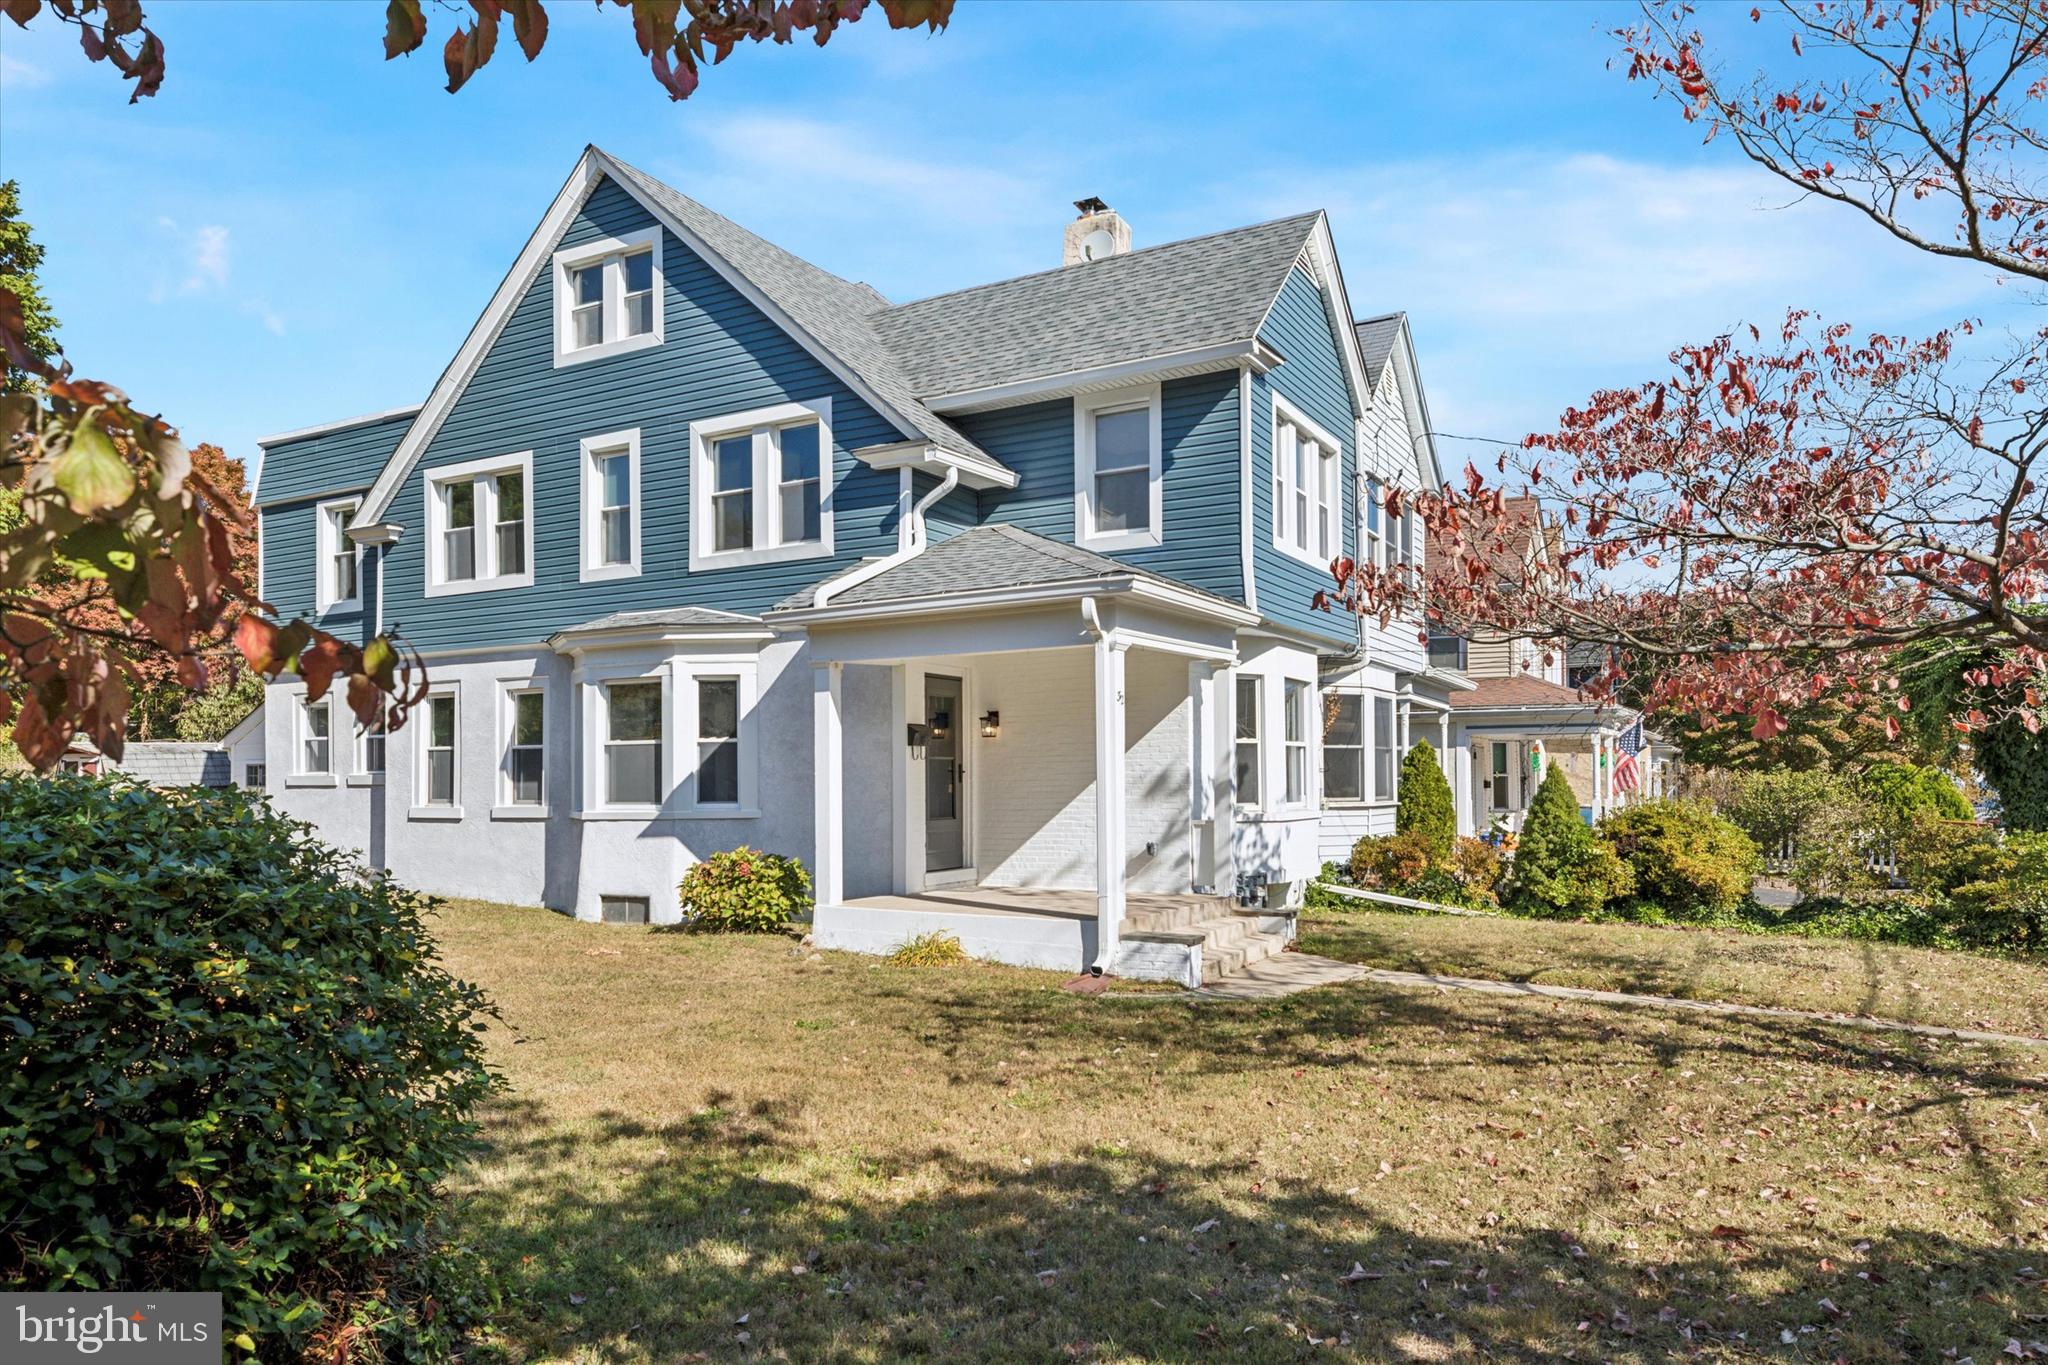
(295, 230)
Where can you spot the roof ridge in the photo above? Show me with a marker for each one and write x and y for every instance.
(1126, 256)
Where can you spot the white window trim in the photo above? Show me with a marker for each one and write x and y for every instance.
(422, 807)
(704, 436)
(1393, 747)
(1364, 746)
(324, 539)
(594, 718)
(507, 806)
(299, 775)
(594, 570)
(361, 774)
(1258, 739)
(1085, 408)
(434, 567)
(617, 248)
(1310, 794)
(1282, 488)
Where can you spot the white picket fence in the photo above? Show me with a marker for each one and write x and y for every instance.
(1881, 858)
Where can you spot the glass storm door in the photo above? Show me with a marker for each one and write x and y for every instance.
(944, 845)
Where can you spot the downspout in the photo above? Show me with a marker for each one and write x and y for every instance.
(861, 573)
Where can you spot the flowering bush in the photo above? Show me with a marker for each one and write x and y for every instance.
(745, 890)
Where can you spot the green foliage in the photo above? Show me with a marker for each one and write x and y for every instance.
(1687, 862)
(1316, 898)
(745, 890)
(936, 949)
(208, 716)
(2012, 760)
(1425, 806)
(1937, 855)
(2006, 907)
(1390, 862)
(21, 256)
(1479, 867)
(1773, 805)
(229, 1060)
(1561, 868)
(1902, 790)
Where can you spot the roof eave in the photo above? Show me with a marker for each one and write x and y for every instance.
(976, 471)
(1225, 355)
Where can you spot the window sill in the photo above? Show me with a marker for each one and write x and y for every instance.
(776, 554)
(311, 780)
(466, 586)
(715, 813)
(605, 349)
(519, 812)
(621, 813)
(434, 813)
(1120, 540)
(1350, 803)
(351, 607)
(366, 779)
(606, 573)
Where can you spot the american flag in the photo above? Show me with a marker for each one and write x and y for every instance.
(1628, 774)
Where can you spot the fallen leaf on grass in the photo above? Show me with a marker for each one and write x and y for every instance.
(1359, 1272)
(1206, 1225)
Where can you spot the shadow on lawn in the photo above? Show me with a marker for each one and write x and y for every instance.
(695, 1244)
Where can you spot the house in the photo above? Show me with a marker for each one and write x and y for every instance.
(994, 608)
(1525, 707)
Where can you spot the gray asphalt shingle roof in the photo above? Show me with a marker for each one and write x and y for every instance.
(1376, 338)
(977, 560)
(665, 616)
(1181, 296)
(169, 763)
(838, 313)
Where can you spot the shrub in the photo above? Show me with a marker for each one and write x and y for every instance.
(1937, 855)
(936, 949)
(1688, 862)
(1561, 867)
(1388, 862)
(1478, 866)
(1903, 790)
(2007, 909)
(1315, 897)
(1425, 806)
(745, 890)
(1835, 848)
(1772, 806)
(229, 1061)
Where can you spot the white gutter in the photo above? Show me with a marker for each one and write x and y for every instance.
(861, 573)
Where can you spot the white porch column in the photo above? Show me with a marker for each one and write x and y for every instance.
(828, 826)
(1443, 748)
(1109, 796)
(1209, 805)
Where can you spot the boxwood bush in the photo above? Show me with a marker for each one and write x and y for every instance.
(1688, 863)
(228, 1061)
(744, 890)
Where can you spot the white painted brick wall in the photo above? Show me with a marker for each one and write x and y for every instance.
(1035, 793)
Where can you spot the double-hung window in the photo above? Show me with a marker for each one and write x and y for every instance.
(316, 736)
(1118, 459)
(480, 525)
(1295, 739)
(340, 558)
(761, 486)
(1250, 756)
(370, 740)
(611, 506)
(632, 743)
(1374, 551)
(718, 741)
(608, 297)
(1383, 738)
(1307, 501)
(437, 751)
(1344, 746)
(525, 746)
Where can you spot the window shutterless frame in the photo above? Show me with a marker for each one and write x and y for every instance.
(610, 518)
(341, 559)
(437, 773)
(761, 487)
(608, 297)
(1295, 695)
(1118, 469)
(1306, 487)
(523, 725)
(1250, 752)
(1344, 747)
(316, 737)
(479, 525)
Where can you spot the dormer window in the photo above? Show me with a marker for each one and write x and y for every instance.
(479, 525)
(608, 297)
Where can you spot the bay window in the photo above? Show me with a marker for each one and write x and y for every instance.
(1250, 756)
(1344, 746)
(1294, 737)
(1383, 748)
(718, 741)
(632, 743)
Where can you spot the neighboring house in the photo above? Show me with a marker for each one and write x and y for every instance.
(1526, 694)
(171, 763)
(994, 608)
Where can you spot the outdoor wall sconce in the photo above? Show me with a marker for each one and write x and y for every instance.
(917, 739)
(992, 725)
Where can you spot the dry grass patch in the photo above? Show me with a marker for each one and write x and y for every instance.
(738, 1147)
(1873, 980)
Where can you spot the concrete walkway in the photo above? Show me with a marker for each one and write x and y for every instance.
(1288, 973)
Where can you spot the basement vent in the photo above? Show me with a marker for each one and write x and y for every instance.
(622, 909)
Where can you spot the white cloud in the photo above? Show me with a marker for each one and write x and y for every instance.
(16, 74)
(209, 258)
(194, 262)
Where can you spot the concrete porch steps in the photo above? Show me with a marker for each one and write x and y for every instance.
(1228, 938)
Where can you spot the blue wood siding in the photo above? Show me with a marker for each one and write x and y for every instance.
(1199, 466)
(721, 355)
(289, 544)
(1312, 379)
(335, 462)
(958, 511)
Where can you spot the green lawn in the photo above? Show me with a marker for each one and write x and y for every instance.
(1876, 980)
(736, 1147)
